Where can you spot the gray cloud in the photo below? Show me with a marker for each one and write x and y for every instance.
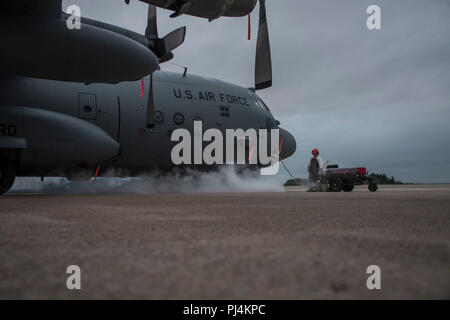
(375, 98)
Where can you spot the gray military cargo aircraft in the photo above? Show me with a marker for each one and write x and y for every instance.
(50, 127)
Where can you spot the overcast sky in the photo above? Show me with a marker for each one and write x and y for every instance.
(377, 98)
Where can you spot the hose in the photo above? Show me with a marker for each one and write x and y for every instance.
(287, 170)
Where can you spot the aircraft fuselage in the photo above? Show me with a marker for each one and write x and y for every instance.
(65, 127)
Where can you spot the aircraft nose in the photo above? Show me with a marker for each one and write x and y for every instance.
(288, 144)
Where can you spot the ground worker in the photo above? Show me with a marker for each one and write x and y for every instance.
(314, 166)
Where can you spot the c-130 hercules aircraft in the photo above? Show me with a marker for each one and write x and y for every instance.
(63, 111)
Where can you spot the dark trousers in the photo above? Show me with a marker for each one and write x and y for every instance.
(313, 177)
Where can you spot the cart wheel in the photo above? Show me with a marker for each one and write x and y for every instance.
(348, 188)
(373, 187)
(336, 185)
(7, 175)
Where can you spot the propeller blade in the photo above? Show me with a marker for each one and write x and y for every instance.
(150, 106)
(162, 47)
(151, 32)
(175, 39)
(263, 64)
(167, 57)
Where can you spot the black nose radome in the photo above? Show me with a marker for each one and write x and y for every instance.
(287, 143)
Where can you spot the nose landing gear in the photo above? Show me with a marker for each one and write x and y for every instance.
(7, 175)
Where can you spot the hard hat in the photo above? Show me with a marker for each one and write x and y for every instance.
(315, 151)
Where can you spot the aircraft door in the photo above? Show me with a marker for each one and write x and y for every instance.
(102, 110)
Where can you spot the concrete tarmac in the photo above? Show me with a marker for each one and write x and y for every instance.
(290, 245)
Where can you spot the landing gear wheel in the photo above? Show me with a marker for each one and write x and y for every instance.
(373, 187)
(336, 185)
(7, 175)
(348, 188)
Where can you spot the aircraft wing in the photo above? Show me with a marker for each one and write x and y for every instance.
(50, 8)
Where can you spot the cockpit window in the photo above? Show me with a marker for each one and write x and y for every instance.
(264, 105)
(260, 103)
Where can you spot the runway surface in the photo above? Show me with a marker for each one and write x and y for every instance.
(290, 245)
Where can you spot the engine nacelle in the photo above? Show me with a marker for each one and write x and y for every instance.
(210, 9)
(55, 140)
(44, 47)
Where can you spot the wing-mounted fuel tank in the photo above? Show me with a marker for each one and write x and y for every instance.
(44, 47)
(210, 9)
(53, 141)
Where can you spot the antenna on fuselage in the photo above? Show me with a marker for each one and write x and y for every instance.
(183, 67)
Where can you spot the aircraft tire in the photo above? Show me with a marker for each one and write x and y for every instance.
(7, 175)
